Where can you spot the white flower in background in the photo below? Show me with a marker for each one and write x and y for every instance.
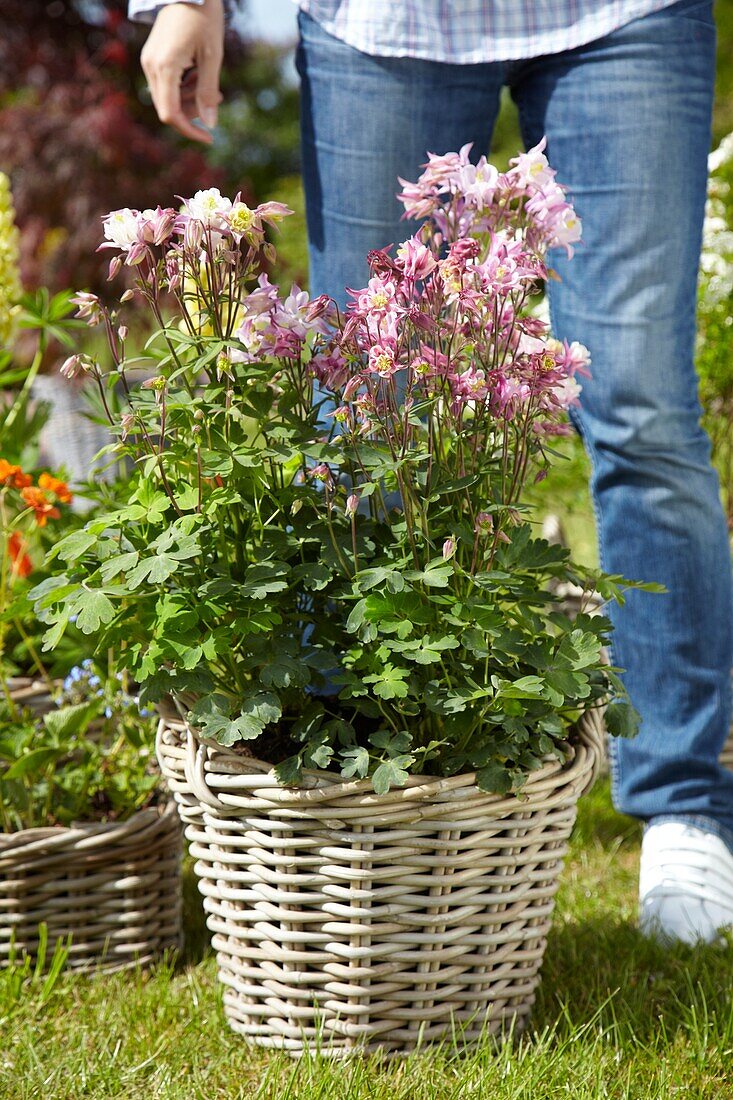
(121, 226)
(210, 207)
(567, 392)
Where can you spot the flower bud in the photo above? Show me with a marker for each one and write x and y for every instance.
(71, 366)
(449, 548)
(352, 503)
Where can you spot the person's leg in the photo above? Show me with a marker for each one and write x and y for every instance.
(365, 121)
(628, 125)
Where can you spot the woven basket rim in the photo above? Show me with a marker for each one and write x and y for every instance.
(257, 777)
(110, 830)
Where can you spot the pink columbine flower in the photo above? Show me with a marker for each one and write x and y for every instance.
(378, 297)
(127, 422)
(484, 523)
(420, 199)
(71, 367)
(88, 306)
(416, 259)
(382, 360)
(352, 503)
(566, 392)
(158, 383)
(292, 321)
(449, 548)
(531, 167)
(475, 183)
(273, 212)
(321, 472)
(156, 226)
(467, 248)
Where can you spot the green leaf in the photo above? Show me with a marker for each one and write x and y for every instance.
(73, 546)
(369, 578)
(30, 762)
(315, 576)
(154, 570)
(622, 720)
(389, 683)
(262, 579)
(437, 574)
(285, 672)
(212, 714)
(526, 687)
(261, 708)
(578, 649)
(50, 591)
(356, 763)
(289, 772)
(53, 636)
(453, 486)
(392, 773)
(571, 685)
(120, 563)
(92, 608)
(356, 618)
(495, 778)
(68, 720)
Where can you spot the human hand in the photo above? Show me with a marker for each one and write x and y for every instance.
(182, 62)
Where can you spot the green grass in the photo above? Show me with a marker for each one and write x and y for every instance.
(617, 1017)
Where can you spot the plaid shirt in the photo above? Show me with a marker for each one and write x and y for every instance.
(461, 31)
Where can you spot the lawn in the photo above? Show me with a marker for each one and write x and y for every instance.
(616, 1017)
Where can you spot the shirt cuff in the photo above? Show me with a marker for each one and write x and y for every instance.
(145, 11)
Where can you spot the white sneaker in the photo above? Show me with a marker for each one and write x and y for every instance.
(685, 883)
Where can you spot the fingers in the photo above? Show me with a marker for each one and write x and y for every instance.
(164, 79)
(186, 46)
(208, 96)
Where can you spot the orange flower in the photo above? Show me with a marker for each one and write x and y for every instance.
(53, 485)
(13, 475)
(41, 505)
(22, 564)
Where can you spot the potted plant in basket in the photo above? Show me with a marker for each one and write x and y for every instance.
(377, 722)
(88, 848)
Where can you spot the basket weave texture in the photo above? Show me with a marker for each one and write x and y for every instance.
(29, 694)
(348, 920)
(114, 888)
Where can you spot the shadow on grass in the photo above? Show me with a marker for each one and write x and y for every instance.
(598, 822)
(196, 936)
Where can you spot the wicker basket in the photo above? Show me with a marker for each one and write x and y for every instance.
(33, 695)
(115, 889)
(344, 920)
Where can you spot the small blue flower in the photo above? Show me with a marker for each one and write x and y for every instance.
(108, 712)
(94, 681)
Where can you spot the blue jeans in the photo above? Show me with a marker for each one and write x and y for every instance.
(627, 119)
